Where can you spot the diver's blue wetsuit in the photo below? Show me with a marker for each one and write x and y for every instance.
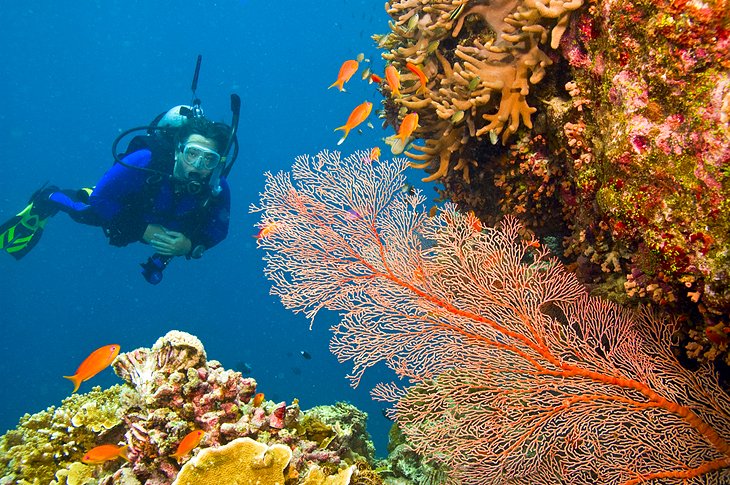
(126, 200)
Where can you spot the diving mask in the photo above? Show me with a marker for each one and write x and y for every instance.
(200, 157)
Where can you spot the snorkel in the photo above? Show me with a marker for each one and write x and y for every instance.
(197, 110)
(222, 168)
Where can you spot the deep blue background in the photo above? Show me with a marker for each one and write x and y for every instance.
(74, 75)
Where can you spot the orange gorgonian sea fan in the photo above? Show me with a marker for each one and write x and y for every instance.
(510, 372)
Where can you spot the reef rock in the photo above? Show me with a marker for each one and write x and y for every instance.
(172, 389)
(45, 446)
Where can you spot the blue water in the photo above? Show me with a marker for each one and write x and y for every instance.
(75, 74)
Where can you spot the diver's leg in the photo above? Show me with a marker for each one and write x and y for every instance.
(75, 204)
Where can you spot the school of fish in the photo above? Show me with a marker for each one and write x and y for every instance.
(392, 84)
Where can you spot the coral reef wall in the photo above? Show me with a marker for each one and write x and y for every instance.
(614, 121)
(481, 58)
(651, 156)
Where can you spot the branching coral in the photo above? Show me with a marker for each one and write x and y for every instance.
(481, 59)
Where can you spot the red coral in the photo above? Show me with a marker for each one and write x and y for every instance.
(508, 365)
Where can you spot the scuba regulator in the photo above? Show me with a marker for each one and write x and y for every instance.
(166, 124)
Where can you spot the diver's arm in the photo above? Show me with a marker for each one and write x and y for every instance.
(215, 228)
(112, 195)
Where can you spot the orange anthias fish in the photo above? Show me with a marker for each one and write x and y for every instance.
(409, 123)
(421, 77)
(393, 78)
(399, 142)
(191, 440)
(346, 71)
(96, 362)
(717, 334)
(358, 115)
(374, 78)
(258, 399)
(267, 230)
(104, 453)
(375, 154)
(473, 221)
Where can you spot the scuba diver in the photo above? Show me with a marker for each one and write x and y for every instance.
(167, 190)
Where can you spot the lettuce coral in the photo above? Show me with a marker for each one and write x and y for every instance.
(317, 476)
(243, 460)
(76, 474)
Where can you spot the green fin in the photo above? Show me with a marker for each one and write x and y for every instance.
(21, 233)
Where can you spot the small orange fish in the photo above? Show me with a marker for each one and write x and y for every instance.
(358, 115)
(474, 222)
(375, 154)
(266, 230)
(409, 123)
(104, 453)
(191, 440)
(374, 78)
(418, 276)
(393, 78)
(347, 69)
(258, 399)
(717, 334)
(96, 362)
(421, 77)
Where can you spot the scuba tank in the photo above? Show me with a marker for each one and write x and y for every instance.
(163, 128)
(159, 135)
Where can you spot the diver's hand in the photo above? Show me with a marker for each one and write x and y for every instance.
(151, 230)
(171, 243)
